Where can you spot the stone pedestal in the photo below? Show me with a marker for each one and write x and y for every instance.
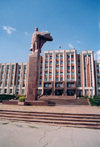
(32, 81)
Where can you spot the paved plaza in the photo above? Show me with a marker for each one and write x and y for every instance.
(22, 134)
(83, 109)
(19, 134)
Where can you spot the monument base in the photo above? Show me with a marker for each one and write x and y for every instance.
(33, 67)
(36, 103)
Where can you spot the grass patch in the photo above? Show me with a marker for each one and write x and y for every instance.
(5, 123)
(95, 101)
(32, 127)
(19, 126)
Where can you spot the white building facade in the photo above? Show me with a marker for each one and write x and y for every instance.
(61, 72)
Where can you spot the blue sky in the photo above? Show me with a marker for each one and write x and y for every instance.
(72, 23)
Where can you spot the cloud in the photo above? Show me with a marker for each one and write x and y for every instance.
(26, 33)
(9, 29)
(70, 45)
(97, 55)
(78, 42)
(99, 25)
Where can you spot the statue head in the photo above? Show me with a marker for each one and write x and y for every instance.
(36, 29)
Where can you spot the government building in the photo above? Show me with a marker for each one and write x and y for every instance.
(61, 72)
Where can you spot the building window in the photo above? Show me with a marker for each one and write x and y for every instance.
(24, 67)
(73, 79)
(23, 84)
(50, 79)
(50, 67)
(79, 85)
(23, 91)
(0, 83)
(47, 84)
(50, 57)
(78, 73)
(50, 73)
(72, 62)
(0, 90)
(61, 73)
(17, 91)
(10, 90)
(68, 79)
(72, 56)
(57, 73)
(46, 68)
(72, 73)
(57, 67)
(46, 57)
(45, 79)
(61, 67)
(40, 85)
(57, 79)
(78, 62)
(79, 67)
(19, 66)
(13, 66)
(57, 57)
(40, 80)
(68, 67)
(5, 83)
(68, 73)
(50, 62)
(61, 62)
(68, 62)
(61, 56)
(57, 62)
(46, 73)
(68, 56)
(2, 67)
(70, 84)
(58, 85)
(5, 90)
(72, 67)
(61, 79)
(46, 62)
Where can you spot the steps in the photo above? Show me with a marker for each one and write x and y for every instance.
(63, 100)
(57, 97)
(64, 119)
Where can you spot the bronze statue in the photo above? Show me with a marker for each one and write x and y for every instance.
(38, 39)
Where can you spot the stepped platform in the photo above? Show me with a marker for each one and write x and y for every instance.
(63, 119)
(63, 100)
(51, 101)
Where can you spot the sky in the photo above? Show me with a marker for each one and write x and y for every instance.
(72, 24)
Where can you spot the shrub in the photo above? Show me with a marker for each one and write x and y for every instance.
(22, 98)
(95, 101)
(6, 97)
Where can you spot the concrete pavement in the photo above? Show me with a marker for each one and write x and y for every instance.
(19, 134)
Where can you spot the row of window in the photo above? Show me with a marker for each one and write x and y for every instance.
(11, 91)
(61, 56)
(61, 79)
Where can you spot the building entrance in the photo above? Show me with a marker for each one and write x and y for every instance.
(70, 92)
(58, 92)
(47, 91)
